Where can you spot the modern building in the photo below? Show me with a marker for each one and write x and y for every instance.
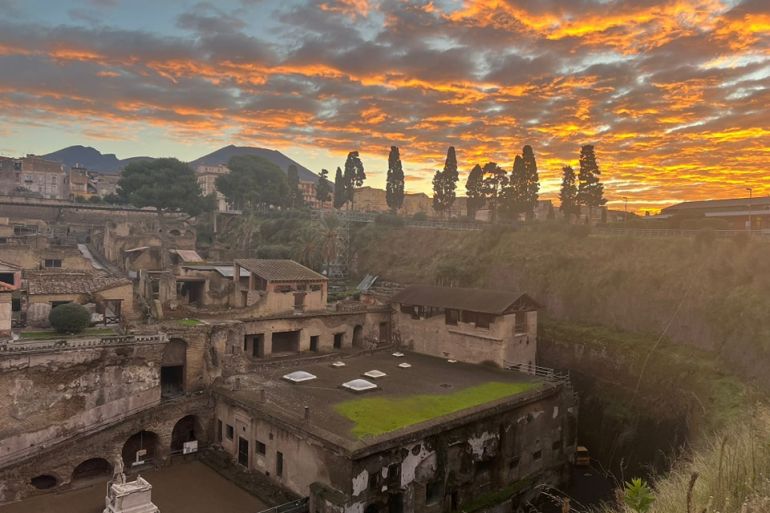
(469, 325)
(207, 176)
(355, 434)
(33, 175)
(734, 212)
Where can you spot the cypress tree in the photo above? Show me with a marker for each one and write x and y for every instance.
(354, 175)
(445, 183)
(394, 188)
(340, 191)
(531, 182)
(295, 193)
(590, 189)
(568, 192)
(515, 194)
(474, 190)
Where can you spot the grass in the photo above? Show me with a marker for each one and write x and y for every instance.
(188, 322)
(48, 335)
(377, 415)
(730, 473)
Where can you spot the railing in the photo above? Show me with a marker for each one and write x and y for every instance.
(36, 346)
(549, 374)
(298, 506)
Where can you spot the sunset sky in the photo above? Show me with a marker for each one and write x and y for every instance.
(675, 94)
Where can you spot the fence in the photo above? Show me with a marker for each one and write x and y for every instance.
(549, 374)
(38, 346)
(298, 506)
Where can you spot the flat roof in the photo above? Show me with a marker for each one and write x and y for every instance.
(488, 301)
(432, 392)
(279, 270)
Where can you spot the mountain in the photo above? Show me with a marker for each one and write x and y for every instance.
(94, 160)
(222, 155)
(91, 158)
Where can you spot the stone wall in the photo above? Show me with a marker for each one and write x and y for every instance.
(467, 343)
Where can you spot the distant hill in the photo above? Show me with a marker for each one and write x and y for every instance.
(94, 160)
(222, 155)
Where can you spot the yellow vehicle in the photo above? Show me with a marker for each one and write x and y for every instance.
(582, 457)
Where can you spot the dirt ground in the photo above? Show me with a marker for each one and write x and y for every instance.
(190, 487)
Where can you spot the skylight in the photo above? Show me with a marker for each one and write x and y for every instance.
(359, 385)
(299, 376)
(399, 354)
(374, 373)
(338, 364)
(404, 365)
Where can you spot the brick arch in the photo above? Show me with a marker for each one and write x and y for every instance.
(188, 428)
(149, 441)
(91, 468)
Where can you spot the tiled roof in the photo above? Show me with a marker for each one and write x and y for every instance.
(71, 282)
(472, 300)
(280, 270)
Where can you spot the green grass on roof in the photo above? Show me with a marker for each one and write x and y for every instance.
(189, 322)
(377, 415)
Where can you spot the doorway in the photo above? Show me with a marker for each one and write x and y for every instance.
(243, 452)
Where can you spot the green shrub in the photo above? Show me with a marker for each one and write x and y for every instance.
(69, 318)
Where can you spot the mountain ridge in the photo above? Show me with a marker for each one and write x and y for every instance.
(108, 163)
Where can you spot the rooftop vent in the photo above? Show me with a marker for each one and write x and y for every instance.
(359, 385)
(374, 373)
(399, 354)
(299, 376)
(338, 364)
(404, 365)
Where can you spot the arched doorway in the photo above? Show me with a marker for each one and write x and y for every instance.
(187, 429)
(172, 368)
(358, 336)
(44, 482)
(92, 469)
(143, 446)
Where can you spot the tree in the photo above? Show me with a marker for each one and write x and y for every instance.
(69, 318)
(340, 191)
(168, 186)
(445, 183)
(323, 189)
(354, 175)
(590, 189)
(531, 180)
(494, 180)
(568, 192)
(253, 183)
(474, 191)
(514, 195)
(394, 188)
(295, 199)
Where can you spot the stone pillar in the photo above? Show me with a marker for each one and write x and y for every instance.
(267, 344)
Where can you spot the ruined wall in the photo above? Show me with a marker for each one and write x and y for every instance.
(467, 343)
(32, 257)
(276, 299)
(53, 395)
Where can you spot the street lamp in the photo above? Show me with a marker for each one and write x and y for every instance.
(625, 215)
(750, 209)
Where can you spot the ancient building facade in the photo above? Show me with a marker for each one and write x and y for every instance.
(469, 325)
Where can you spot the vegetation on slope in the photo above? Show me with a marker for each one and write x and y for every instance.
(377, 415)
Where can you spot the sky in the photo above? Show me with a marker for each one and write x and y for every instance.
(673, 94)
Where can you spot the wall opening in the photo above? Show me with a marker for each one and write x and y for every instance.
(254, 345)
(314, 343)
(384, 332)
(140, 448)
(358, 336)
(286, 342)
(172, 368)
(187, 429)
(243, 452)
(338, 338)
(43, 482)
(93, 468)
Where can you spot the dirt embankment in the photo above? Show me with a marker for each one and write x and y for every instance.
(712, 295)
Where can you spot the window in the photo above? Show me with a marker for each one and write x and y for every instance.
(374, 481)
(433, 492)
(230, 431)
(279, 464)
(451, 317)
(219, 430)
(52, 263)
(521, 322)
(260, 448)
(484, 321)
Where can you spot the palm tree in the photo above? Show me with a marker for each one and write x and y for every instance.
(328, 236)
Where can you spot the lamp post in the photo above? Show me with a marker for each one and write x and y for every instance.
(625, 211)
(750, 209)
